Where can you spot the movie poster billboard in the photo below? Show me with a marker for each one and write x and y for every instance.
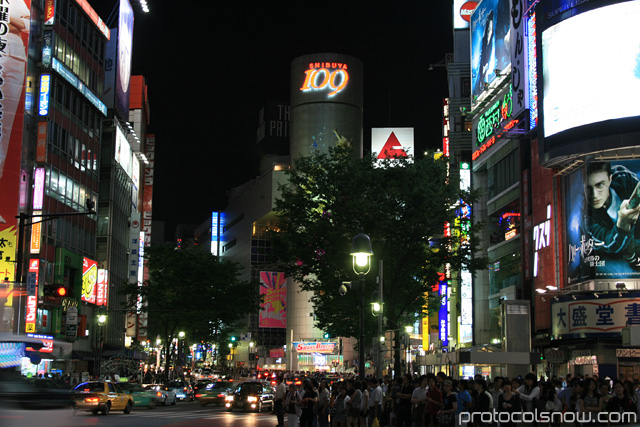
(13, 63)
(273, 308)
(490, 44)
(602, 227)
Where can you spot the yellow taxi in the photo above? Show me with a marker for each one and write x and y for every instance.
(104, 396)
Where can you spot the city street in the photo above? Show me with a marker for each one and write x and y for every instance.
(183, 414)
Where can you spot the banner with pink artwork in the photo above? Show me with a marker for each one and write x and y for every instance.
(273, 290)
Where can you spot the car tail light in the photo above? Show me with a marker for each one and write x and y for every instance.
(159, 394)
(198, 395)
(221, 395)
(92, 399)
(185, 389)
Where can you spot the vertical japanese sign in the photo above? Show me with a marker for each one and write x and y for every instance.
(89, 280)
(13, 63)
(32, 296)
(443, 314)
(147, 198)
(273, 313)
(134, 247)
(519, 51)
(102, 288)
(215, 227)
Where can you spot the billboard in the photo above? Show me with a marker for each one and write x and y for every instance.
(273, 308)
(13, 62)
(388, 143)
(591, 76)
(462, 10)
(490, 45)
(118, 67)
(602, 232)
(589, 315)
(89, 280)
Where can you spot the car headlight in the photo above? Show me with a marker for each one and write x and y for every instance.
(252, 399)
(229, 398)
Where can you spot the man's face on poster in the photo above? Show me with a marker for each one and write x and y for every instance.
(598, 188)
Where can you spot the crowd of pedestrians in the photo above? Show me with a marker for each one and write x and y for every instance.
(440, 401)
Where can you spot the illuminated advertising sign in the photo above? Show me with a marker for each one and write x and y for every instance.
(273, 308)
(123, 151)
(36, 234)
(579, 91)
(47, 48)
(314, 347)
(446, 127)
(47, 343)
(466, 279)
(41, 147)
(462, 11)
(443, 314)
(532, 59)
(125, 42)
(38, 189)
(89, 280)
(93, 16)
(519, 50)
(32, 296)
(45, 88)
(541, 239)
(68, 75)
(491, 124)
(594, 316)
(600, 238)
(102, 288)
(331, 77)
(490, 45)
(49, 12)
(134, 246)
(389, 143)
(147, 195)
(215, 230)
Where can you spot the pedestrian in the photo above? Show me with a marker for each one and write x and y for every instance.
(341, 414)
(364, 404)
(278, 400)
(323, 404)
(508, 402)
(434, 401)
(309, 400)
(419, 403)
(446, 415)
(354, 404)
(375, 402)
(292, 402)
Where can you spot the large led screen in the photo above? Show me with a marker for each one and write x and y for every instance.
(591, 68)
(603, 231)
(490, 43)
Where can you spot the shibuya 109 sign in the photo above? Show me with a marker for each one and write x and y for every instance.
(493, 122)
(328, 76)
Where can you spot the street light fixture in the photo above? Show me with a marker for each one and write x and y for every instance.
(102, 320)
(361, 253)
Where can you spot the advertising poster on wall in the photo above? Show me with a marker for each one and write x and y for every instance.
(273, 289)
(490, 43)
(603, 231)
(13, 62)
(89, 280)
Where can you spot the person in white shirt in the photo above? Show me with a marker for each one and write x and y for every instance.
(278, 400)
(375, 402)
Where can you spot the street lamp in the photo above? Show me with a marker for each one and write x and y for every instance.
(408, 329)
(251, 356)
(102, 320)
(361, 253)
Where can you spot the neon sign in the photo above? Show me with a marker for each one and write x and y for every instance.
(45, 81)
(324, 75)
(493, 119)
(541, 239)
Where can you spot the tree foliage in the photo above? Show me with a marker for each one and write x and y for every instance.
(192, 291)
(402, 204)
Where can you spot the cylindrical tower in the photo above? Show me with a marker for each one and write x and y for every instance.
(326, 103)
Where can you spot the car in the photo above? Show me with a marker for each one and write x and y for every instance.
(162, 394)
(251, 395)
(215, 392)
(104, 396)
(35, 393)
(182, 390)
(203, 375)
(200, 385)
(141, 396)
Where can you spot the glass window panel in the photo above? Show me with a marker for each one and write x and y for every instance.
(62, 184)
(53, 183)
(69, 192)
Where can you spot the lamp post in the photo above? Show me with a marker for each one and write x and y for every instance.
(361, 253)
(102, 320)
(251, 356)
(180, 362)
(408, 329)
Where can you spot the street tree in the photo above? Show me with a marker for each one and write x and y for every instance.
(402, 204)
(190, 290)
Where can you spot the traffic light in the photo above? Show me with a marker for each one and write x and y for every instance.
(54, 290)
(327, 335)
(233, 339)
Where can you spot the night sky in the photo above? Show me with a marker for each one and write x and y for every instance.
(211, 66)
